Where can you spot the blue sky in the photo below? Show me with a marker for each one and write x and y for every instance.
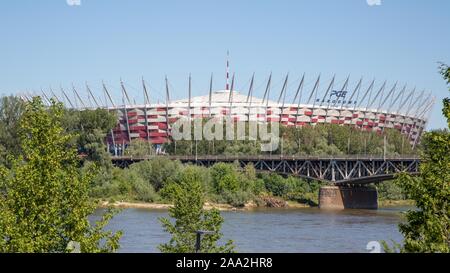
(48, 42)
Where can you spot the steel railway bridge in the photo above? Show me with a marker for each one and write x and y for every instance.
(337, 170)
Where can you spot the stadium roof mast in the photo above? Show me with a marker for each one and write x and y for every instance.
(77, 96)
(146, 103)
(299, 94)
(355, 91)
(316, 85)
(45, 97)
(414, 102)
(382, 102)
(146, 93)
(394, 101)
(106, 93)
(326, 94)
(92, 95)
(67, 97)
(330, 86)
(190, 98)
(124, 91)
(404, 102)
(427, 104)
(299, 89)
(250, 90)
(125, 94)
(53, 95)
(267, 91)
(369, 89)
(409, 101)
(391, 92)
(230, 98)
(210, 93)
(267, 94)
(344, 87)
(426, 113)
(250, 96)
(383, 86)
(283, 92)
(167, 107)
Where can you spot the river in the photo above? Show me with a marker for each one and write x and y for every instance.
(273, 230)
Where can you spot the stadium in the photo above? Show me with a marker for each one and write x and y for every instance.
(369, 106)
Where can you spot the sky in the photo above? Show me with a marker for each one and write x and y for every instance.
(51, 43)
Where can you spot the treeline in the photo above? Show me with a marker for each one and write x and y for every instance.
(322, 139)
(156, 179)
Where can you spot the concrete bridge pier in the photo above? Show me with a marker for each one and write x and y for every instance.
(348, 197)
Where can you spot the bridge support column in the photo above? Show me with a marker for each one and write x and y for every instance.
(348, 197)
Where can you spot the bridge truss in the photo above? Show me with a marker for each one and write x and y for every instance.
(339, 171)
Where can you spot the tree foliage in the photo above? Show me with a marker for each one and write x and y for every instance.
(427, 229)
(190, 217)
(11, 110)
(44, 201)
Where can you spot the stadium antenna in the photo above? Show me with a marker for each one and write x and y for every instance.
(227, 85)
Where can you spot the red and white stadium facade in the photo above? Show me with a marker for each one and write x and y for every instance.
(368, 108)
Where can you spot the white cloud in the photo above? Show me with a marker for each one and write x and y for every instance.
(73, 2)
(374, 2)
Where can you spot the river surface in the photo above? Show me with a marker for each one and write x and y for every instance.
(273, 230)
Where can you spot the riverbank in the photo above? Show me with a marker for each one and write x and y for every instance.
(395, 203)
(227, 207)
(207, 206)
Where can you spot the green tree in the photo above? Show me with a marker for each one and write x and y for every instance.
(90, 128)
(224, 178)
(44, 200)
(190, 216)
(428, 228)
(11, 110)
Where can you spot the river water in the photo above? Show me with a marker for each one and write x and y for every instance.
(273, 230)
